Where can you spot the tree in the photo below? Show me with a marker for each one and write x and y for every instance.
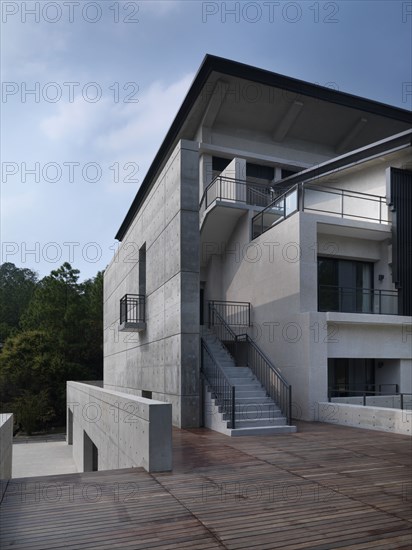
(17, 286)
(60, 339)
(33, 368)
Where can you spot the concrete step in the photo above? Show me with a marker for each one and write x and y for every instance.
(279, 421)
(245, 381)
(239, 392)
(264, 417)
(263, 430)
(257, 408)
(254, 401)
(256, 413)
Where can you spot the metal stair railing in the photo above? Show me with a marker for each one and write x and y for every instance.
(221, 388)
(277, 388)
(271, 379)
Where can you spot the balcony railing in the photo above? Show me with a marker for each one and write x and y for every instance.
(233, 313)
(236, 191)
(357, 300)
(282, 207)
(132, 309)
(344, 203)
(371, 398)
(340, 203)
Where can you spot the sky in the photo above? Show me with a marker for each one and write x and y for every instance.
(89, 90)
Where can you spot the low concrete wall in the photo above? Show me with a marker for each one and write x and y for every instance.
(372, 418)
(6, 450)
(127, 431)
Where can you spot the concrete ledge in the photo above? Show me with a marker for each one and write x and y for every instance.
(372, 418)
(6, 450)
(132, 327)
(127, 431)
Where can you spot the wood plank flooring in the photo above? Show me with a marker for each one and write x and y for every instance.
(325, 487)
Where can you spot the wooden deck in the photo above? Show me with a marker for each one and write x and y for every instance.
(325, 487)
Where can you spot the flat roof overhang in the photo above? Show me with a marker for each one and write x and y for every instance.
(195, 103)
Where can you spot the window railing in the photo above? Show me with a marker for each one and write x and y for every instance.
(336, 202)
(133, 308)
(233, 190)
(234, 313)
(357, 300)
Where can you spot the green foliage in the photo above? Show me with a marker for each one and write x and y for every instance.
(59, 338)
(16, 290)
(32, 411)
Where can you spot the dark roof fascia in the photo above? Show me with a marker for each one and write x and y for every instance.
(225, 66)
(387, 145)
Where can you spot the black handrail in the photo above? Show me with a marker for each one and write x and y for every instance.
(221, 388)
(276, 211)
(133, 308)
(357, 300)
(364, 394)
(271, 379)
(220, 328)
(224, 188)
(234, 313)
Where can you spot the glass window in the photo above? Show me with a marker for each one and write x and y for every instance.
(345, 285)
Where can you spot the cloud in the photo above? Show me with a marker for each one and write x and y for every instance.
(75, 122)
(27, 50)
(160, 7)
(109, 132)
(148, 120)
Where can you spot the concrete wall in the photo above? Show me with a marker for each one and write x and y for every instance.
(6, 450)
(372, 418)
(163, 359)
(128, 431)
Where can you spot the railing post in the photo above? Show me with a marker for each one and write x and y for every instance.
(401, 401)
(233, 407)
(290, 406)
(364, 399)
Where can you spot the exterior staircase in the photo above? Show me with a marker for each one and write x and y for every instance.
(255, 412)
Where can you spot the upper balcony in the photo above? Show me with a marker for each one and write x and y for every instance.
(233, 193)
(341, 203)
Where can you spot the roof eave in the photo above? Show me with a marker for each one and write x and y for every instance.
(222, 65)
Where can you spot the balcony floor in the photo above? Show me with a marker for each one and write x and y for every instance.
(324, 487)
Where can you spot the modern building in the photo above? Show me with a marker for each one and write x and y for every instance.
(265, 262)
